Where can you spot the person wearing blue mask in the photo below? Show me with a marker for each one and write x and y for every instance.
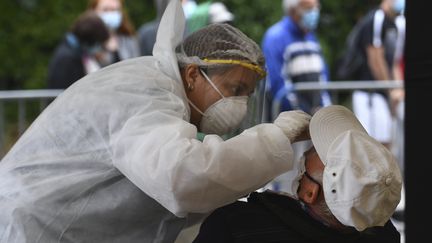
(293, 54)
(76, 55)
(123, 42)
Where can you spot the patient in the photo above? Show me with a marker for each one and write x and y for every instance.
(346, 189)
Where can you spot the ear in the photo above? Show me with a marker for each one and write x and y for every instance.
(309, 192)
(191, 73)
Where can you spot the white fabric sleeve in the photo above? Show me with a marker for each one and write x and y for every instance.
(158, 152)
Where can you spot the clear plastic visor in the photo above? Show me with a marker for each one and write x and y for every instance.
(237, 80)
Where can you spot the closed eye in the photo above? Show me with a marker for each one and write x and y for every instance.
(241, 89)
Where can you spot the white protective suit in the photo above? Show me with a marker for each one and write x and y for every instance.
(115, 159)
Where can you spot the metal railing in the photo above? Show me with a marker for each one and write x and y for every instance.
(22, 97)
(348, 85)
(338, 86)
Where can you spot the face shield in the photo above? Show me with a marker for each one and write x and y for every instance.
(238, 82)
(232, 61)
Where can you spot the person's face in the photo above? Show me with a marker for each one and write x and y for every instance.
(304, 5)
(310, 190)
(235, 81)
(108, 5)
(397, 6)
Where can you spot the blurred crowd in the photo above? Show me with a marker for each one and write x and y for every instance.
(104, 34)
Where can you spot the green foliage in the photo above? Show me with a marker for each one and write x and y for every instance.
(31, 29)
(140, 11)
(254, 17)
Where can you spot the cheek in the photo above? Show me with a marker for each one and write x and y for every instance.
(203, 97)
(210, 98)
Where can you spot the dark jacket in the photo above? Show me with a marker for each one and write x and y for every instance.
(269, 217)
(66, 66)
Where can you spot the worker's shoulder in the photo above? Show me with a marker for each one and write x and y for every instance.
(140, 75)
(139, 69)
(132, 65)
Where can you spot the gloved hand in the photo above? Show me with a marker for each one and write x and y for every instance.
(295, 124)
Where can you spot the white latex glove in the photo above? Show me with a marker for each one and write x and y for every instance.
(295, 124)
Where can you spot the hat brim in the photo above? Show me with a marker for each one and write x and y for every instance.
(330, 122)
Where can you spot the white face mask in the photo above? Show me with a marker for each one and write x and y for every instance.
(112, 19)
(224, 115)
(295, 174)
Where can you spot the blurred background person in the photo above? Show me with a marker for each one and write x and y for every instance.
(75, 56)
(293, 54)
(147, 32)
(380, 39)
(123, 41)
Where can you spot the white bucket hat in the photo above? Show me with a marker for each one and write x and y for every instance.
(362, 181)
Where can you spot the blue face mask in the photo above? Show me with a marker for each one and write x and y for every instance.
(112, 19)
(398, 6)
(309, 19)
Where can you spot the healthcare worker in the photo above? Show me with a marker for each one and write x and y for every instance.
(115, 158)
